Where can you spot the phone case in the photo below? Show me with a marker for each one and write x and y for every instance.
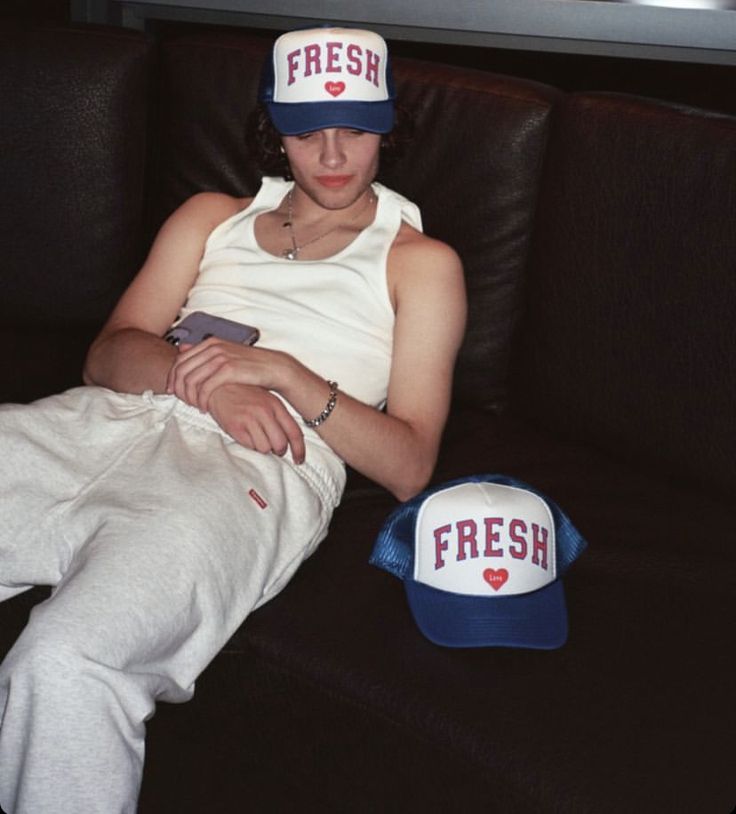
(199, 326)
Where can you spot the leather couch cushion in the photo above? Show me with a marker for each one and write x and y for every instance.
(73, 133)
(41, 360)
(206, 88)
(628, 341)
(475, 176)
(338, 686)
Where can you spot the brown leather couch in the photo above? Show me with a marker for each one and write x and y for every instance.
(597, 233)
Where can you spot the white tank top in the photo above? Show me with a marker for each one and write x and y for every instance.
(333, 315)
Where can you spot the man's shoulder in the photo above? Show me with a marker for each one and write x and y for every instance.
(412, 246)
(198, 216)
(422, 268)
(216, 206)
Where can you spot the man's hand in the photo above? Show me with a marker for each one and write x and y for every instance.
(201, 369)
(232, 382)
(257, 419)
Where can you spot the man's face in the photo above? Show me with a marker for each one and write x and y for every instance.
(333, 166)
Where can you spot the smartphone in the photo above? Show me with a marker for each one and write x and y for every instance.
(199, 326)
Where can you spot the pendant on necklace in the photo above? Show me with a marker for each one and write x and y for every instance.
(290, 254)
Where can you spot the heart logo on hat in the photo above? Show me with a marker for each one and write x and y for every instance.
(334, 88)
(495, 577)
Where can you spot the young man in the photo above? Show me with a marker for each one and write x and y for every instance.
(183, 486)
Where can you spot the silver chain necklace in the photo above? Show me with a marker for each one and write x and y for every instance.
(293, 252)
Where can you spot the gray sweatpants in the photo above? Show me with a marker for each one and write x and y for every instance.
(159, 534)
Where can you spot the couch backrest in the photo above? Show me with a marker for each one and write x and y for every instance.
(206, 87)
(72, 154)
(629, 339)
(474, 169)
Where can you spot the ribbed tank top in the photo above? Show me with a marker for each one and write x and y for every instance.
(333, 315)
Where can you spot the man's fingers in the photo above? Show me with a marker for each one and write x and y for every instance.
(189, 375)
(295, 438)
(257, 419)
(282, 432)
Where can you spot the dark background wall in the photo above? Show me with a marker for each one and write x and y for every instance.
(708, 86)
(35, 10)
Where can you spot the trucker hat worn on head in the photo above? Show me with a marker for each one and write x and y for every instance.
(328, 77)
(482, 560)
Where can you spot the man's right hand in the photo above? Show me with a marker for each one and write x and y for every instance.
(257, 419)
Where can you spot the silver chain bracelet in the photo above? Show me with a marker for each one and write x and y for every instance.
(329, 407)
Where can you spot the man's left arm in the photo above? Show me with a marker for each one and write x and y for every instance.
(398, 448)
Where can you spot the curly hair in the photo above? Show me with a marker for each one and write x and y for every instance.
(264, 142)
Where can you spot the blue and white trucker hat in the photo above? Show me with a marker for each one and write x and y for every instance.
(482, 560)
(328, 77)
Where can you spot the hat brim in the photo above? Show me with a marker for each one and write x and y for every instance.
(295, 118)
(535, 620)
